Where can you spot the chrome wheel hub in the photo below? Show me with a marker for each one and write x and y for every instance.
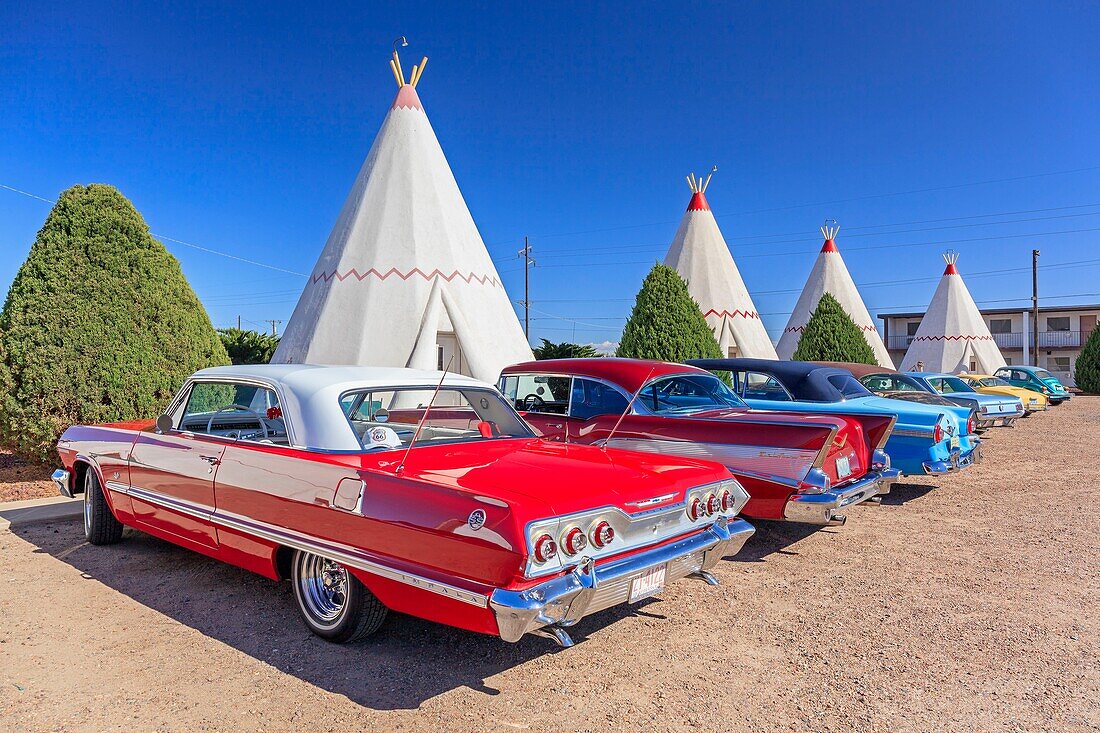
(323, 586)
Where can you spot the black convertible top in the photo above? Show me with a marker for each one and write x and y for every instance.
(805, 380)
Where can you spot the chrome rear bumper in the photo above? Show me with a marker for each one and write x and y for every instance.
(955, 462)
(823, 508)
(563, 601)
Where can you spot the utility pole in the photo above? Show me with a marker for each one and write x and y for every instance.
(238, 323)
(1035, 305)
(274, 329)
(528, 263)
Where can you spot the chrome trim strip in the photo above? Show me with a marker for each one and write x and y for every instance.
(914, 433)
(300, 541)
(119, 487)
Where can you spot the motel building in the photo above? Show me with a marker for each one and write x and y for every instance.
(1063, 330)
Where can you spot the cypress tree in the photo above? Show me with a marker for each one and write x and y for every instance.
(832, 335)
(666, 322)
(100, 324)
(1087, 371)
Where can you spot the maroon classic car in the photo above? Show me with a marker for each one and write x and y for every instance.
(392, 489)
(803, 468)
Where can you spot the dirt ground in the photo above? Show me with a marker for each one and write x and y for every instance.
(967, 603)
(20, 479)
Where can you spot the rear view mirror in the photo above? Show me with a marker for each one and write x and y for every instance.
(164, 424)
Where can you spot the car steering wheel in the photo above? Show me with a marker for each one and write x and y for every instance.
(532, 401)
(240, 408)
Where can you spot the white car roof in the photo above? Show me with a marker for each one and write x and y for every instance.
(309, 394)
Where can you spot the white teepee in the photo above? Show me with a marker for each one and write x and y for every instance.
(830, 275)
(700, 254)
(405, 279)
(953, 336)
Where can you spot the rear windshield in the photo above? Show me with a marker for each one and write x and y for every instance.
(387, 419)
(1043, 374)
(848, 386)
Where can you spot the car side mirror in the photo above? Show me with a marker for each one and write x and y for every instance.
(164, 424)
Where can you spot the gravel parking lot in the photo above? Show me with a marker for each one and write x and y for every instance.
(966, 603)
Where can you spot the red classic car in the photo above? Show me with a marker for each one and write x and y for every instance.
(393, 489)
(803, 468)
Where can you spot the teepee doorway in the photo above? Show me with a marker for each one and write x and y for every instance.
(449, 352)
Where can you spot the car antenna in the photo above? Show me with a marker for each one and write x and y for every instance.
(627, 408)
(424, 417)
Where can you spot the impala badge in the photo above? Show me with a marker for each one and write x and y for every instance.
(477, 519)
(641, 504)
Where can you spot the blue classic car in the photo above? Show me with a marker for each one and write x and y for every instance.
(1037, 380)
(926, 439)
(991, 409)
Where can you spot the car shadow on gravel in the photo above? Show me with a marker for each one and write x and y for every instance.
(406, 663)
(905, 493)
(775, 538)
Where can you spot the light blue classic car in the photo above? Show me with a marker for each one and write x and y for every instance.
(991, 409)
(1037, 380)
(927, 439)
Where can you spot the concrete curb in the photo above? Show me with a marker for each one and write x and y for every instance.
(35, 511)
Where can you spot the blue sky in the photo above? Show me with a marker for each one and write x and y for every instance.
(240, 127)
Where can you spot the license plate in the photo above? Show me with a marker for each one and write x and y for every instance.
(843, 467)
(649, 583)
(954, 441)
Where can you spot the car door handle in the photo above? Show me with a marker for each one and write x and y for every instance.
(555, 425)
(212, 460)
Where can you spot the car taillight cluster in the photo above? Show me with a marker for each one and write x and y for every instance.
(573, 541)
(937, 433)
(970, 425)
(602, 534)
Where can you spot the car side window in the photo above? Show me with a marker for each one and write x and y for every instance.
(540, 393)
(592, 398)
(233, 410)
(758, 386)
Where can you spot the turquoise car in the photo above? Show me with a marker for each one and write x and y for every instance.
(927, 439)
(1037, 380)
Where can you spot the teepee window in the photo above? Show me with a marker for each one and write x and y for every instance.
(731, 352)
(973, 365)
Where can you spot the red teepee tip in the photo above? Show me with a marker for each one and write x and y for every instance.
(951, 269)
(408, 98)
(698, 202)
(829, 246)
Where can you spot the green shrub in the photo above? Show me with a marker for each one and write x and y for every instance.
(99, 325)
(248, 347)
(1087, 372)
(666, 323)
(832, 335)
(564, 350)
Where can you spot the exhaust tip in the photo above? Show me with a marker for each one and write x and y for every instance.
(837, 520)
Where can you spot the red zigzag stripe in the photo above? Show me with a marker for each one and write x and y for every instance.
(800, 329)
(954, 338)
(341, 276)
(732, 314)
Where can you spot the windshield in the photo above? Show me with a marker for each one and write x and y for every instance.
(387, 419)
(993, 382)
(688, 393)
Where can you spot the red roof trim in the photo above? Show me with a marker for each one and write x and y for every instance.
(829, 246)
(698, 202)
(951, 269)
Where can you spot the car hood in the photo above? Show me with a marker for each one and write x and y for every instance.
(566, 478)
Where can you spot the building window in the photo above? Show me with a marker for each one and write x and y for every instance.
(1058, 363)
(911, 328)
(1000, 325)
(1058, 324)
(731, 352)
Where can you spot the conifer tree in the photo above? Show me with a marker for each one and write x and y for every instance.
(99, 325)
(832, 335)
(666, 323)
(1087, 371)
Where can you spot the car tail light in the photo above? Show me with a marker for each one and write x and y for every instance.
(970, 425)
(545, 548)
(602, 534)
(714, 505)
(695, 509)
(573, 541)
(937, 433)
(728, 502)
